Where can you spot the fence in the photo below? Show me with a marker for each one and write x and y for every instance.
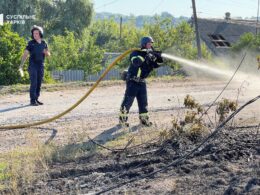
(68, 75)
(114, 74)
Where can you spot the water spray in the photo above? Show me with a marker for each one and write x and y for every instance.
(252, 80)
(204, 67)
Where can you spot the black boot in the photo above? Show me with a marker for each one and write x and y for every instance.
(144, 120)
(38, 102)
(123, 119)
(34, 103)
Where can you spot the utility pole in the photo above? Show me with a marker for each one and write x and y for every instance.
(256, 28)
(196, 29)
(121, 20)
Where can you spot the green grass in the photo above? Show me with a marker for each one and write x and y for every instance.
(18, 167)
(3, 174)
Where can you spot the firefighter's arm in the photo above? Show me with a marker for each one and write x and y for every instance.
(154, 55)
(155, 59)
(151, 60)
(158, 55)
(137, 60)
(24, 57)
(258, 61)
(46, 50)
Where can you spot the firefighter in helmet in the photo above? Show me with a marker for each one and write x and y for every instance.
(141, 64)
(37, 48)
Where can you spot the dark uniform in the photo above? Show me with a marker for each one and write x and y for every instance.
(36, 67)
(142, 63)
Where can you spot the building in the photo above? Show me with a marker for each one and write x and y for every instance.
(220, 34)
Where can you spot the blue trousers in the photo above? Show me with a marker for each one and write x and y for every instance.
(36, 78)
(138, 90)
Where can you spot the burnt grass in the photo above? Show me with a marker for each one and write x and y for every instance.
(227, 164)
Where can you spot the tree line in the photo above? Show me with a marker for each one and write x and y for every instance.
(76, 41)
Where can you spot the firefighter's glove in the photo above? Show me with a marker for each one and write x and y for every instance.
(158, 54)
(21, 72)
(150, 57)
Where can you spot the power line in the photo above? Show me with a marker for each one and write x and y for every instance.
(106, 4)
(157, 6)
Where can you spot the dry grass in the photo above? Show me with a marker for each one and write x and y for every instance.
(18, 167)
(77, 145)
(224, 107)
(190, 103)
(192, 126)
(143, 135)
(165, 185)
(22, 166)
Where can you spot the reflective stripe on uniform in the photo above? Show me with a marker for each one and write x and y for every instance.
(123, 114)
(140, 57)
(139, 72)
(143, 114)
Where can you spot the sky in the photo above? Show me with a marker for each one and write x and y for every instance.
(205, 8)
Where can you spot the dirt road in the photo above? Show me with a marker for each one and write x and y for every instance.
(227, 165)
(99, 111)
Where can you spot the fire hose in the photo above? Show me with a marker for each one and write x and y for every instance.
(19, 126)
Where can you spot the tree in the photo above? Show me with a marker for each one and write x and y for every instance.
(247, 41)
(11, 49)
(17, 7)
(167, 36)
(107, 35)
(73, 52)
(105, 32)
(91, 55)
(57, 16)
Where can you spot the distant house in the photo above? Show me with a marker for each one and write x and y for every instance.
(220, 34)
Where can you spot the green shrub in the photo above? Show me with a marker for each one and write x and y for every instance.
(11, 50)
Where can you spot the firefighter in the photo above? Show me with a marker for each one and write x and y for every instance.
(37, 48)
(141, 64)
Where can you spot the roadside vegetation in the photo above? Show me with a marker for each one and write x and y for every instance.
(81, 44)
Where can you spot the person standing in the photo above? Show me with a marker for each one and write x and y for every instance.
(142, 63)
(37, 48)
